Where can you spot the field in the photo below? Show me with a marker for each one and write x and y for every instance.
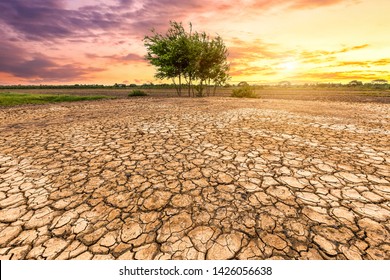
(317, 94)
(296, 174)
(13, 99)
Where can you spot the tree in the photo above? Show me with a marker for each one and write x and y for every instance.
(217, 67)
(211, 60)
(190, 55)
(168, 53)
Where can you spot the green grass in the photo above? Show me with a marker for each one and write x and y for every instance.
(13, 99)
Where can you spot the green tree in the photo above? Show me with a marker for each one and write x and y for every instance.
(168, 53)
(192, 55)
(216, 66)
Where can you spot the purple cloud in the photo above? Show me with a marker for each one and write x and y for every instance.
(51, 19)
(124, 59)
(20, 63)
(48, 19)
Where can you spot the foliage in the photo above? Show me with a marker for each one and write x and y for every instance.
(191, 56)
(211, 62)
(13, 99)
(244, 91)
(137, 92)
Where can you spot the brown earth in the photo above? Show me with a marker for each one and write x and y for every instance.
(181, 178)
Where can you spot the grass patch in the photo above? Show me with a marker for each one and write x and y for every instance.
(13, 99)
(137, 92)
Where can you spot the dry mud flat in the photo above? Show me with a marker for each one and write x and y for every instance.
(214, 178)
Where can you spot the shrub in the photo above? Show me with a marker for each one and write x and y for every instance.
(137, 92)
(244, 91)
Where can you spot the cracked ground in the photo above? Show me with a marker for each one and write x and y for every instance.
(213, 178)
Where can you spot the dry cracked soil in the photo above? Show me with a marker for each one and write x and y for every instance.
(213, 178)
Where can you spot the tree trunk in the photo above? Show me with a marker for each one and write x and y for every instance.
(189, 85)
(209, 88)
(176, 87)
(201, 88)
(179, 92)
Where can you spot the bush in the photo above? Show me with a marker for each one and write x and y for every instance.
(244, 91)
(137, 92)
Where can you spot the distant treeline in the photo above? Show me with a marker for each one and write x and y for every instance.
(171, 86)
(357, 86)
(49, 86)
(86, 86)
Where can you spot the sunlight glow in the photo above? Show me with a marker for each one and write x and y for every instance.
(289, 66)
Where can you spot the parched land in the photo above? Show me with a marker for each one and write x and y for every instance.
(203, 178)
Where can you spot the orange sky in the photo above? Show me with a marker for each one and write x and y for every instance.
(95, 41)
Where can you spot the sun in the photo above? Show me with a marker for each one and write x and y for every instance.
(289, 66)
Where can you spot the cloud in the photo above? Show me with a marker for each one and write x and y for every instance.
(252, 71)
(35, 20)
(354, 63)
(292, 4)
(330, 59)
(50, 20)
(381, 62)
(353, 48)
(365, 63)
(23, 64)
(259, 58)
(342, 75)
(257, 49)
(300, 4)
(124, 59)
(316, 53)
(131, 57)
(243, 54)
(325, 56)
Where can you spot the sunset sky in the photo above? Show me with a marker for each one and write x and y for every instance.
(100, 41)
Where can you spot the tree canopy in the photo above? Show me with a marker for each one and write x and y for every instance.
(191, 56)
